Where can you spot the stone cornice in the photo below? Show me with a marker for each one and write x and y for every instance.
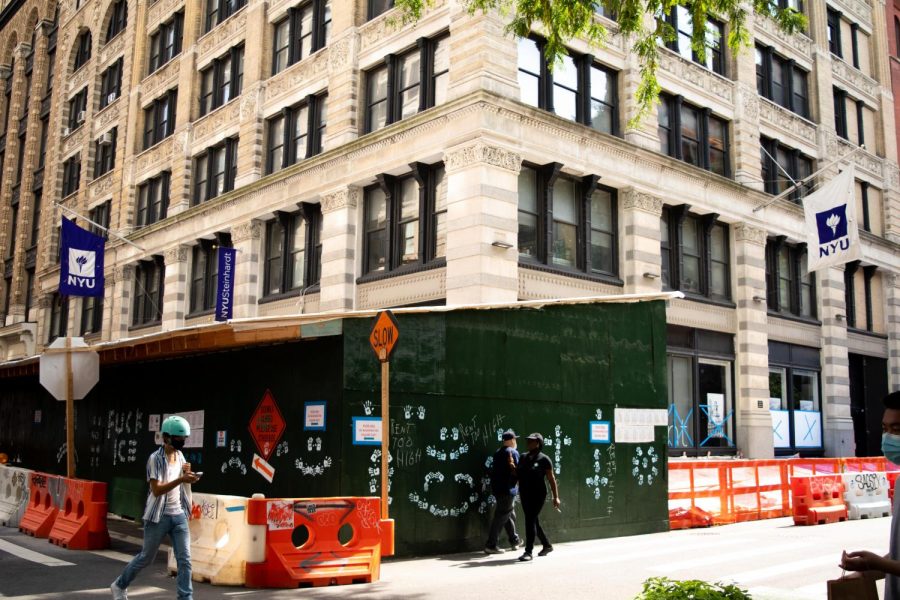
(251, 230)
(345, 198)
(482, 153)
(634, 199)
(176, 254)
(748, 233)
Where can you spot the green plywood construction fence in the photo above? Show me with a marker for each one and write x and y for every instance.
(457, 379)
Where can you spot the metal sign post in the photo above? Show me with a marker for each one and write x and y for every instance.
(383, 340)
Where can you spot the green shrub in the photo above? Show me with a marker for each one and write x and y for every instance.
(663, 588)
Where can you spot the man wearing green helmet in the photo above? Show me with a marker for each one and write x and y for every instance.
(167, 511)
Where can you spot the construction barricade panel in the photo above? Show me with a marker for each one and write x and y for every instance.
(818, 499)
(43, 504)
(80, 523)
(316, 542)
(14, 494)
(867, 495)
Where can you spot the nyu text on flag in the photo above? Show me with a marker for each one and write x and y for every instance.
(81, 261)
(832, 236)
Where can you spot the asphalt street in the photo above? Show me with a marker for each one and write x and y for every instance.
(772, 558)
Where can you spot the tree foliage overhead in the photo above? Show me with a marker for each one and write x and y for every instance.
(561, 21)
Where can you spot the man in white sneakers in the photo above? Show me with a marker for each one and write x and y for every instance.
(167, 511)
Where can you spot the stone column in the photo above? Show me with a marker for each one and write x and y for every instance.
(646, 134)
(342, 104)
(175, 291)
(754, 434)
(837, 422)
(482, 208)
(482, 55)
(340, 220)
(745, 130)
(247, 240)
(123, 297)
(257, 62)
(641, 214)
(892, 320)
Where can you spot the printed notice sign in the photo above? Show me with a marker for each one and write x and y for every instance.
(599, 432)
(367, 431)
(154, 423)
(314, 416)
(221, 439)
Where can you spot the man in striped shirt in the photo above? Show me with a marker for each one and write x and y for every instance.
(167, 511)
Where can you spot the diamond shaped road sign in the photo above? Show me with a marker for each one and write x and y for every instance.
(267, 425)
(384, 335)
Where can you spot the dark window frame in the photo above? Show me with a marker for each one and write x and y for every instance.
(672, 253)
(211, 99)
(149, 283)
(285, 223)
(378, 7)
(165, 42)
(205, 275)
(118, 20)
(59, 317)
(674, 143)
(111, 83)
(205, 188)
(218, 11)
(774, 248)
(77, 106)
(321, 27)
(790, 74)
(152, 200)
(315, 128)
(91, 315)
(82, 50)
(100, 215)
(833, 28)
(771, 173)
(71, 175)
(674, 45)
(105, 153)
(789, 364)
(157, 128)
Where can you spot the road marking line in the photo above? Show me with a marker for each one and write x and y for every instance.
(830, 559)
(47, 561)
(698, 545)
(121, 556)
(132, 591)
(723, 558)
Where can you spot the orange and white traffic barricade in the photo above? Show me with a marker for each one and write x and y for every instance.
(43, 504)
(818, 499)
(81, 520)
(867, 495)
(222, 543)
(319, 541)
(14, 493)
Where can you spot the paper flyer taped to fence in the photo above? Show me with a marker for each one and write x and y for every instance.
(642, 416)
(280, 515)
(634, 434)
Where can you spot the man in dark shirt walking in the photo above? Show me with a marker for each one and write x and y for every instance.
(504, 486)
(533, 468)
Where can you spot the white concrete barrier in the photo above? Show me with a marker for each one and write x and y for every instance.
(14, 494)
(221, 540)
(867, 495)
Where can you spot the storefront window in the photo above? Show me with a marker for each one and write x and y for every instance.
(794, 398)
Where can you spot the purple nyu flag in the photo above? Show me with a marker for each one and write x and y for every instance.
(225, 285)
(81, 261)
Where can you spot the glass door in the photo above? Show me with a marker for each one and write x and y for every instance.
(681, 402)
(716, 408)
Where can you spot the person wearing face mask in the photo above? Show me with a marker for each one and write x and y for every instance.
(869, 564)
(167, 510)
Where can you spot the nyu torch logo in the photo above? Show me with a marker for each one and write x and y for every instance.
(832, 226)
(82, 264)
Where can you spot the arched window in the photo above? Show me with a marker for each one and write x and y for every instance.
(118, 19)
(82, 50)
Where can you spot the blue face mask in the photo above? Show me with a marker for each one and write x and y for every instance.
(890, 445)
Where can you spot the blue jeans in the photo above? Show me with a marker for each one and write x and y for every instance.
(176, 526)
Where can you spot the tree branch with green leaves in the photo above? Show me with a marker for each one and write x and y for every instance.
(644, 22)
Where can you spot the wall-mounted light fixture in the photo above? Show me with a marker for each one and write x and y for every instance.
(759, 299)
(499, 244)
(840, 316)
(649, 275)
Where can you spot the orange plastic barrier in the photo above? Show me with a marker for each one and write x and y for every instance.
(81, 521)
(687, 518)
(43, 505)
(322, 558)
(818, 500)
(875, 464)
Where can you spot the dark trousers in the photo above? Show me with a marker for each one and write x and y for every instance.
(532, 506)
(504, 518)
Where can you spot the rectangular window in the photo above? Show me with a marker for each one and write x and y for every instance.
(219, 10)
(567, 223)
(404, 220)
(791, 289)
(100, 215)
(407, 83)
(149, 276)
(379, 7)
(111, 83)
(221, 81)
(105, 152)
(153, 200)
(695, 254)
(35, 218)
(215, 170)
(117, 20)
(793, 395)
(77, 110)
(578, 89)
(165, 43)
(782, 166)
(159, 119)
(205, 272)
(293, 250)
(304, 30)
(693, 135)
(71, 175)
(834, 33)
(91, 315)
(681, 20)
(295, 133)
(59, 317)
(780, 80)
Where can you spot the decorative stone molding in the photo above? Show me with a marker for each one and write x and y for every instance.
(376, 30)
(250, 104)
(102, 186)
(861, 10)
(856, 80)
(480, 152)
(123, 273)
(748, 233)
(404, 289)
(747, 99)
(797, 41)
(784, 119)
(246, 231)
(341, 52)
(160, 11)
(161, 152)
(690, 72)
(177, 254)
(112, 50)
(232, 27)
(892, 280)
(44, 302)
(298, 75)
(79, 79)
(892, 176)
(346, 198)
(217, 121)
(73, 142)
(838, 147)
(109, 114)
(633, 199)
(162, 78)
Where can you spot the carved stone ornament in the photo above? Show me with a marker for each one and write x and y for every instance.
(108, 115)
(785, 120)
(102, 186)
(479, 152)
(161, 78)
(251, 230)
(217, 121)
(249, 104)
(345, 198)
(177, 254)
(123, 273)
(340, 53)
(634, 199)
(748, 233)
(158, 154)
(210, 42)
(298, 75)
(855, 79)
(749, 103)
(160, 11)
(797, 41)
(44, 302)
(860, 9)
(112, 50)
(892, 176)
(691, 72)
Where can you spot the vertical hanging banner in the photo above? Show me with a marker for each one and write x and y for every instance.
(831, 230)
(225, 285)
(81, 261)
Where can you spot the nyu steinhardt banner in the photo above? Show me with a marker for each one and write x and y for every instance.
(831, 231)
(81, 261)
(225, 285)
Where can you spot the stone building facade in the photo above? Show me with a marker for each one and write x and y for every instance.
(355, 162)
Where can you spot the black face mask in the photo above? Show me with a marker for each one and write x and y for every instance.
(177, 444)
